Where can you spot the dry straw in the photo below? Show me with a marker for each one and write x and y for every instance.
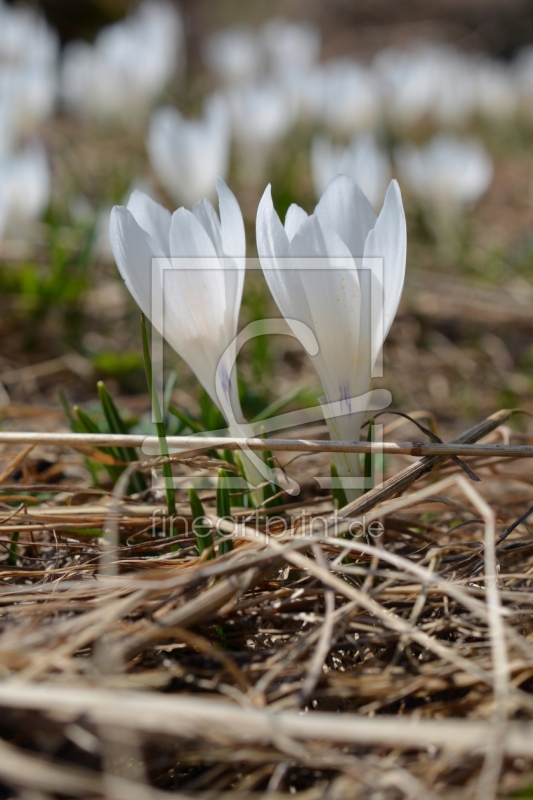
(397, 666)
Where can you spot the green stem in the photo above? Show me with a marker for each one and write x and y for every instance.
(159, 424)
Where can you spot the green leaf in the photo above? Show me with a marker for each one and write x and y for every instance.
(270, 490)
(212, 418)
(87, 425)
(116, 424)
(339, 495)
(75, 427)
(279, 404)
(247, 499)
(223, 507)
(187, 421)
(203, 532)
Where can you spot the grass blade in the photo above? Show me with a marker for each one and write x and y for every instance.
(223, 507)
(278, 405)
(86, 425)
(116, 424)
(339, 495)
(203, 532)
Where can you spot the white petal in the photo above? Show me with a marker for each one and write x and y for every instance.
(272, 240)
(200, 277)
(152, 218)
(133, 250)
(281, 273)
(344, 207)
(234, 248)
(207, 217)
(331, 286)
(388, 241)
(295, 217)
(231, 221)
(188, 237)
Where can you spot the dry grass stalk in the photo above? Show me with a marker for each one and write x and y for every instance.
(410, 653)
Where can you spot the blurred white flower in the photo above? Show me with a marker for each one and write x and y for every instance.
(25, 179)
(28, 69)
(198, 316)
(261, 113)
(234, 55)
(187, 154)
(448, 171)
(7, 129)
(121, 76)
(430, 80)
(29, 93)
(362, 159)
(291, 46)
(310, 269)
(496, 89)
(345, 96)
(25, 37)
(523, 71)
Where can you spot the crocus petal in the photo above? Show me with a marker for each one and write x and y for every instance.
(279, 268)
(152, 218)
(344, 207)
(331, 285)
(188, 237)
(192, 251)
(207, 217)
(388, 240)
(295, 217)
(231, 223)
(133, 250)
(233, 248)
(272, 241)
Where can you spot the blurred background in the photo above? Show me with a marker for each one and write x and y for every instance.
(100, 97)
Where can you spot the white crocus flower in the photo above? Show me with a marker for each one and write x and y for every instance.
(428, 80)
(234, 55)
(408, 82)
(262, 114)
(26, 186)
(195, 311)
(347, 96)
(25, 37)
(523, 72)
(363, 160)
(291, 46)
(131, 62)
(30, 93)
(186, 154)
(448, 172)
(309, 266)
(496, 90)
(29, 51)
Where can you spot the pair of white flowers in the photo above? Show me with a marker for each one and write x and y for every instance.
(195, 262)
